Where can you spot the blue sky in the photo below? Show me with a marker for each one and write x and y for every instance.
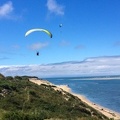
(90, 31)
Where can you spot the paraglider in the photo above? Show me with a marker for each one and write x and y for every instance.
(60, 25)
(38, 30)
(37, 53)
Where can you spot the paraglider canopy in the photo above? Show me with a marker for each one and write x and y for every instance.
(39, 30)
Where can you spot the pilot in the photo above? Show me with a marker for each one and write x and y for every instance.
(37, 54)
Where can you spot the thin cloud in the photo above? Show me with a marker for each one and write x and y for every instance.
(64, 43)
(91, 66)
(117, 44)
(54, 7)
(4, 58)
(12, 53)
(79, 47)
(38, 46)
(16, 47)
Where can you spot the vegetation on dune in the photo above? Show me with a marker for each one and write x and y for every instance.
(21, 99)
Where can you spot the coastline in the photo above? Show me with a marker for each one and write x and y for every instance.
(107, 112)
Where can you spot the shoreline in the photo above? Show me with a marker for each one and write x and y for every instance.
(107, 112)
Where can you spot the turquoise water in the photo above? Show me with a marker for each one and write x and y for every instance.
(102, 92)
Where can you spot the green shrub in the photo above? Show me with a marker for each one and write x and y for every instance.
(9, 78)
(2, 76)
(18, 115)
(18, 78)
(24, 100)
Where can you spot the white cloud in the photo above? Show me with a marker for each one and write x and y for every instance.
(64, 43)
(54, 7)
(6, 9)
(38, 46)
(91, 66)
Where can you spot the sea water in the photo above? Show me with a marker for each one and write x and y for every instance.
(103, 92)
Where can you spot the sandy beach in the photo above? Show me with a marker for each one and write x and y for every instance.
(107, 112)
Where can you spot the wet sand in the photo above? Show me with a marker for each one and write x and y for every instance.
(107, 112)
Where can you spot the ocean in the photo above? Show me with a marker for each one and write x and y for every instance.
(103, 92)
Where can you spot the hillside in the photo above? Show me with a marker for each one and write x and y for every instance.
(21, 99)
